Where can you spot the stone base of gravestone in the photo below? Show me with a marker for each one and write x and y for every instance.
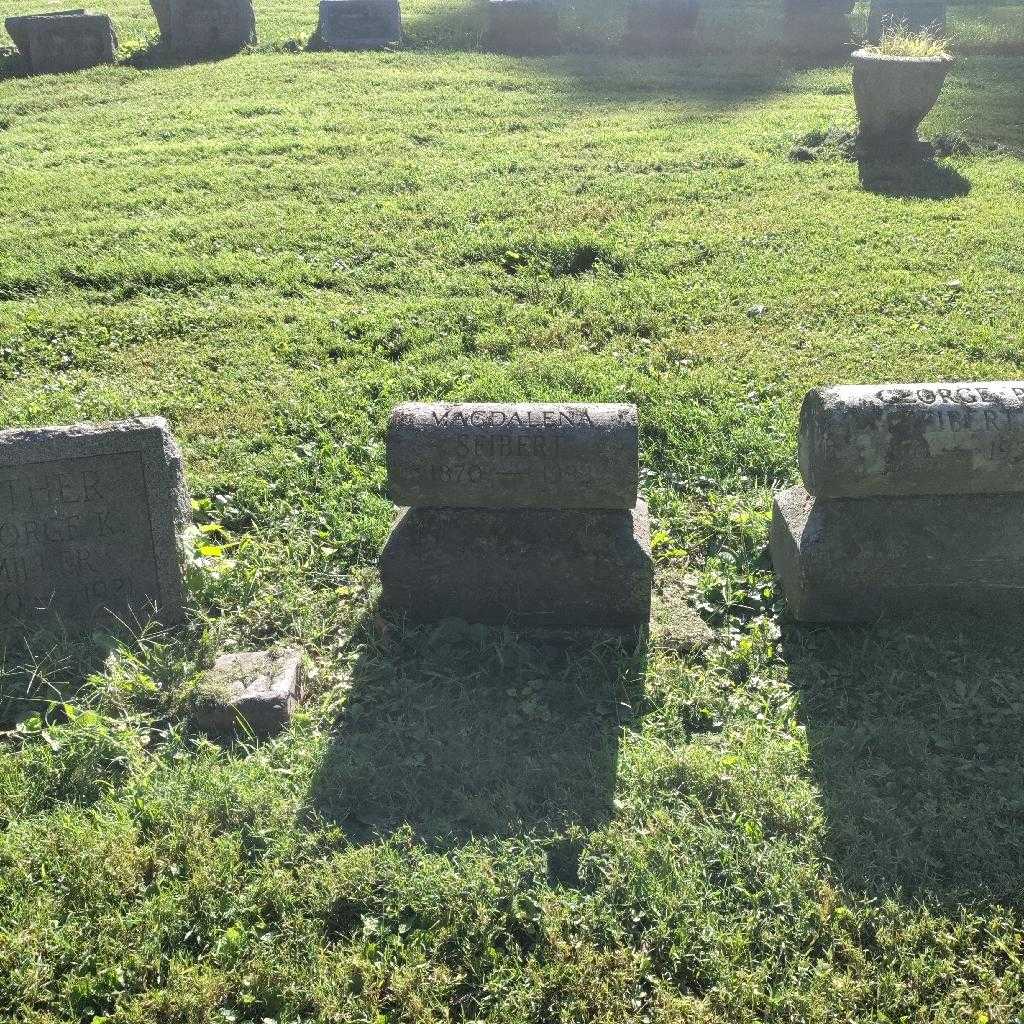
(523, 26)
(859, 559)
(916, 17)
(524, 567)
(254, 692)
(817, 27)
(63, 41)
(92, 524)
(205, 28)
(358, 25)
(661, 26)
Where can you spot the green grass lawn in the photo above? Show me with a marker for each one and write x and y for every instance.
(799, 824)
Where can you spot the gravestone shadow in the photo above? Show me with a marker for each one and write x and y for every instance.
(458, 731)
(915, 743)
(914, 176)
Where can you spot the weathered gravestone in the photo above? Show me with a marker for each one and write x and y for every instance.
(91, 521)
(523, 26)
(655, 26)
(817, 27)
(526, 514)
(358, 24)
(513, 456)
(909, 15)
(912, 503)
(205, 28)
(63, 41)
(863, 440)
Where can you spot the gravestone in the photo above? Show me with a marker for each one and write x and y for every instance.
(63, 41)
(817, 27)
(915, 17)
(513, 456)
(254, 691)
(523, 26)
(525, 514)
(659, 26)
(861, 441)
(358, 24)
(205, 28)
(91, 521)
(912, 503)
(530, 567)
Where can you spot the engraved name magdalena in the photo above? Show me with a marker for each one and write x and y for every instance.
(499, 419)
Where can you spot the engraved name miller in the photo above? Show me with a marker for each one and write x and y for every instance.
(513, 456)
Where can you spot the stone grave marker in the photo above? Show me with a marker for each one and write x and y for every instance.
(914, 15)
(63, 41)
(912, 502)
(91, 524)
(523, 26)
(817, 27)
(205, 28)
(522, 514)
(358, 24)
(661, 26)
(485, 455)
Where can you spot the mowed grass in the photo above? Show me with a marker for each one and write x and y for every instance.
(799, 824)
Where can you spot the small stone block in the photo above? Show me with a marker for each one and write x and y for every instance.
(92, 518)
(526, 567)
(358, 24)
(675, 623)
(255, 691)
(205, 28)
(858, 559)
(913, 439)
(523, 26)
(488, 455)
(63, 41)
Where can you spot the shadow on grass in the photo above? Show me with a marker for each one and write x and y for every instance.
(916, 176)
(915, 743)
(460, 731)
(156, 55)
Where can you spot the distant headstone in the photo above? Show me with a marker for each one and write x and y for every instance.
(817, 27)
(914, 16)
(358, 24)
(525, 514)
(205, 28)
(656, 26)
(523, 26)
(91, 520)
(513, 456)
(255, 691)
(63, 41)
(912, 503)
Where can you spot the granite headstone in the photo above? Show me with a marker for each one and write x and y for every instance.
(91, 524)
(358, 24)
(487, 455)
(63, 41)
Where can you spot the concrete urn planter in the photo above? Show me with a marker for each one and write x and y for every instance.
(894, 94)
